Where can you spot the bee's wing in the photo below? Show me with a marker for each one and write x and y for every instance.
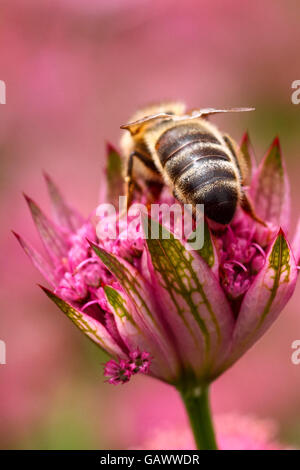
(134, 127)
(196, 113)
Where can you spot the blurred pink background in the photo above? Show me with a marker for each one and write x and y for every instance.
(74, 71)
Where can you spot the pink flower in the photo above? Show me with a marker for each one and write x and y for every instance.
(120, 372)
(234, 432)
(155, 306)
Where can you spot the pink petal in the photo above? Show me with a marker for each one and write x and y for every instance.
(208, 252)
(267, 296)
(296, 243)
(65, 216)
(270, 191)
(247, 151)
(141, 308)
(39, 262)
(52, 238)
(138, 332)
(113, 185)
(191, 301)
(88, 325)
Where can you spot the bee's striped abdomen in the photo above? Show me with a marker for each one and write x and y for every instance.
(200, 170)
(180, 137)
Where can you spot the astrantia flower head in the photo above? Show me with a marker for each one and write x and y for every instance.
(155, 305)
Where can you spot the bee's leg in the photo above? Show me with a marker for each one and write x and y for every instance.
(131, 185)
(247, 206)
(151, 187)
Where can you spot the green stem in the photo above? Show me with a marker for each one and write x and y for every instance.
(196, 402)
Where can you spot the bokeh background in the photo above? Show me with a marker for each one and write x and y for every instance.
(75, 70)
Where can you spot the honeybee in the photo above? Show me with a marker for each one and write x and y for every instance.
(201, 165)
